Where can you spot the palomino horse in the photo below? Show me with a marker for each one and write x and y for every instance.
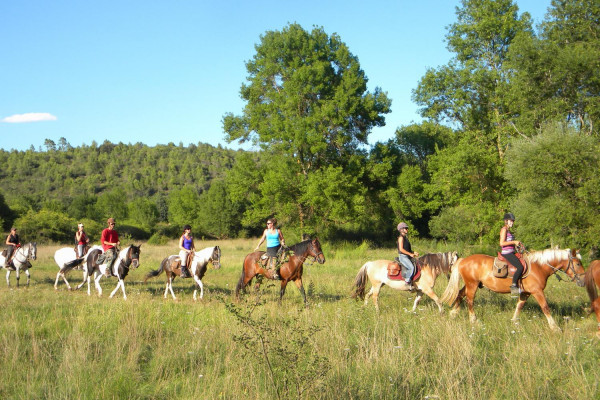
(290, 270)
(66, 259)
(433, 265)
(477, 269)
(127, 258)
(172, 267)
(592, 279)
(20, 261)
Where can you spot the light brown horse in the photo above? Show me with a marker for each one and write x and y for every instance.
(289, 271)
(477, 269)
(433, 265)
(592, 279)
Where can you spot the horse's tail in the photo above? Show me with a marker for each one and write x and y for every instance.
(360, 282)
(240, 284)
(155, 273)
(590, 285)
(72, 264)
(451, 292)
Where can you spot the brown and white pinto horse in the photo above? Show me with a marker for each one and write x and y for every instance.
(127, 258)
(290, 270)
(592, 279)
(477, 269)
(433, 265)
(172, 267)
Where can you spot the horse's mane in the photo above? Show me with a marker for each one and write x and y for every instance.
(440, 262)
(300, 248)
(545, 256)
(206, 252)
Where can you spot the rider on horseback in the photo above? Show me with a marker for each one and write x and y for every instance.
(12, 242)
(508, 244)
(110, 241)
(275, 240)
(186, 246)
(405, 253)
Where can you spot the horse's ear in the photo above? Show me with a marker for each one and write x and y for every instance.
(140, 245)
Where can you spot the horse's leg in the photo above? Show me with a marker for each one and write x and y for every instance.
(425, 285)
(85, 275)
(97, 276)
(28, 277)
(120, 284)
(56, 281)
(171, 288)
(199, 282)
(456, 304)
(522, 299)
(541, 299)
(18, 273)
(8, 277)
(300, 287)
(375, 289)
(368, 295)
(470, 290)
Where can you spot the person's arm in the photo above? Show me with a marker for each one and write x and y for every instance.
(281, 239)
(262, 239)
(193, 248)
(9, 243)
(504, 242)
(87, 239)
(78, 236)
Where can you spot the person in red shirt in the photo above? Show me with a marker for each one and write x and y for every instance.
(110, 241)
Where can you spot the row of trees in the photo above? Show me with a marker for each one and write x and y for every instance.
(508, 125)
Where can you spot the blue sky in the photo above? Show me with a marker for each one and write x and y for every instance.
(167, 71)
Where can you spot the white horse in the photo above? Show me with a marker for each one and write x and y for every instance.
(67, 260)
(20, 261)
(376, 271)
(172, 267)
(127, 258)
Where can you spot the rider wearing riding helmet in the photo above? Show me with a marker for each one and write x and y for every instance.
(405, 252)
(12, 242)
(509, 244)
(186, 246)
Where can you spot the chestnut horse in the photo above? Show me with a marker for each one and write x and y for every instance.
(433, 265)
(290, 270)
(477, 269)
(592, 279)
(172, 267)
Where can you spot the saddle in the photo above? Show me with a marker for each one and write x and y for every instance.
(503, 269)
(86, 248)
(188, 262)
(395, 270)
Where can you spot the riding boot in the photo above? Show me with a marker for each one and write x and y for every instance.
(184, 272)
(514, 290)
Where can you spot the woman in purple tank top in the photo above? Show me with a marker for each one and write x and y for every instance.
(508, 245)
(186, 246)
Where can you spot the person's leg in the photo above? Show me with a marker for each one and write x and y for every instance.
(9, 252)
(80, 250)
(184, 271)
(512, 258)
(408, 265)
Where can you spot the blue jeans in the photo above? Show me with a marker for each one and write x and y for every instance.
(407, 271)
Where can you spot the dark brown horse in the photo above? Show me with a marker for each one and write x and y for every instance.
(592, 279)
(290, 270)
(477, 269)
(199, 262)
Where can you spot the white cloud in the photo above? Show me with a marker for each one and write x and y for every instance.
(29, 117)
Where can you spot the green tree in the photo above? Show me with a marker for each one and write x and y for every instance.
(219, 217)
(184, 206)
(143, 213)
(308, 106)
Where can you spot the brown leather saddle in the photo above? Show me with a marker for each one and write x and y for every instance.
(503, 269)
(395, 270)
(86, 248)
(188, 263)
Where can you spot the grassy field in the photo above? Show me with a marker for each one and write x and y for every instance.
(68, 345)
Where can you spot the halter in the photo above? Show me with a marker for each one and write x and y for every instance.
(312, 247)
(570, 266)
(216, 263)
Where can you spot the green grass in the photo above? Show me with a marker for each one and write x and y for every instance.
(61, 344)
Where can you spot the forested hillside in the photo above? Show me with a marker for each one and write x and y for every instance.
(510, 123)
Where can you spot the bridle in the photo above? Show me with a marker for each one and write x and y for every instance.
(22, 253)
(216, 262)
(570, 266)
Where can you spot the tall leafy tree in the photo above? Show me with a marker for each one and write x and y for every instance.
(308, 106)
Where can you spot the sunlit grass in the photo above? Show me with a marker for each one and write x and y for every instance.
(61, 344)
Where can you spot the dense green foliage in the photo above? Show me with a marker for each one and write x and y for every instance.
(510, 124)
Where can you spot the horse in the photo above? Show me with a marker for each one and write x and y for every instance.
(20, 261)
(476, 271)
(172, 267)
(67, 260)
(127, 258)
(433, 265)
(290, 270)
(592, 279)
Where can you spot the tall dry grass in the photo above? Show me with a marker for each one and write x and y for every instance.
(61, 344)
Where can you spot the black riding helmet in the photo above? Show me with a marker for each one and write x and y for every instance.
(509, 216)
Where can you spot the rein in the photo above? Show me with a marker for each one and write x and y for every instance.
(569, 267)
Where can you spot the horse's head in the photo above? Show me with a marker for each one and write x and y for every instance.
(453, 257)
(32, 250)
(315, 251)
(216, 257)
(574, 268)
(133, 254)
